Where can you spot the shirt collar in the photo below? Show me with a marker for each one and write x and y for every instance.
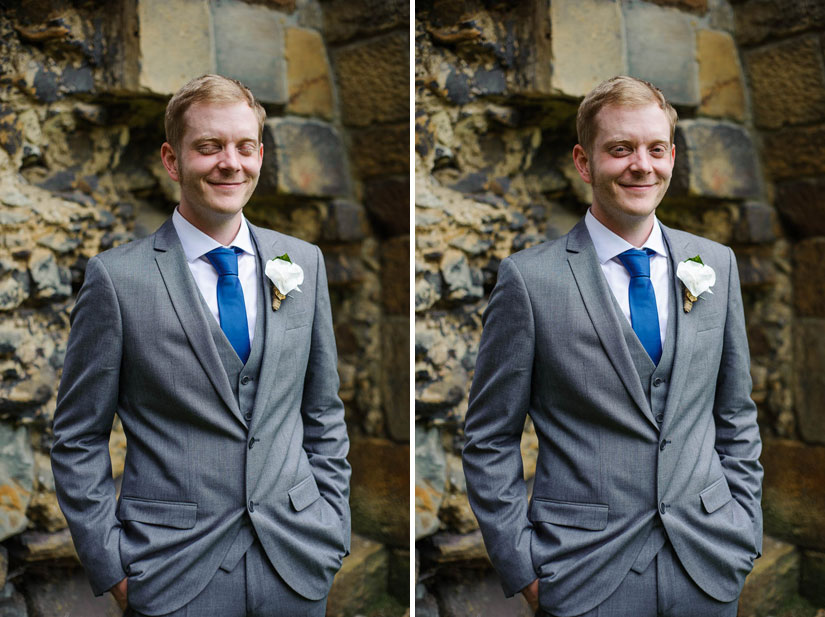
(196, 243)
(608, 245)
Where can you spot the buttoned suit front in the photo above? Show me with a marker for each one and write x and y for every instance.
(211, 447)
(622, 452)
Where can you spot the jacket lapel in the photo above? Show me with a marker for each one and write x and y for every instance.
(184, 295)
(581, 255)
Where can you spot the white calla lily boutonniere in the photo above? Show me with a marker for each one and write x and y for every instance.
(697, 279)
(285, 277)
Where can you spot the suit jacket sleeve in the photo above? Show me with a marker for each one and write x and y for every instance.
(325, 434)
(86, 404)
(737, 434)
(499, 400)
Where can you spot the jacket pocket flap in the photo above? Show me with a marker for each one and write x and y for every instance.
(592, 516)
(716, 495)
(304, 493)
(177, 514)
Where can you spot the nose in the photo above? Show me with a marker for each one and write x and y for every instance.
(641, 162)
(229, 160)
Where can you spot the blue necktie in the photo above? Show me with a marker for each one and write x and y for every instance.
(231, 307)
(643, 313)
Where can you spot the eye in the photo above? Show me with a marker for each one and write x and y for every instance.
(248, 149)
(619, 150)
(208, 149)
(659, 151)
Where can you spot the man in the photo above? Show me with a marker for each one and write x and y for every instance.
(647, 487)
(235, 487)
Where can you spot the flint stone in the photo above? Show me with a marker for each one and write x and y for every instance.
(306, 158)
(14, 289)
(16, 479)
(51, 281)
(430, 479)
(11, 132)
(463, 283)
(715, 159)
(428, 290)
(249, 47)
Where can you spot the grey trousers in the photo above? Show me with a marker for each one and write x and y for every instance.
(663, 589)
(251, 589)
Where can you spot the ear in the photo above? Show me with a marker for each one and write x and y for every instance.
(673, 154)
(170, 161)
(581, 162)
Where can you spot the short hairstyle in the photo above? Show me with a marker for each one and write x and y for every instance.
(207, 89)
(622, 91)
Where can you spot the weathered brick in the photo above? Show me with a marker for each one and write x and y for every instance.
(801, 205)
(249, 47)
(395, 374)
(772, 581)
(787, 81)
(380, 489)
(588, 44)
(720, 77)
(794, 152)
(387, 201)
(381, 150)
(346, 19)
(654, 33)
(303, 157)
(809, 360)
(793, 501)
(380, 94)
(308, 74)
(758, 20)
(714, 159)
(179, 30)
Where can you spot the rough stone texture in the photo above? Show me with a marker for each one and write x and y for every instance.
(654, 33)
(395, 372)
(395, 275)
(67, 593)
(38, 546)
(478, 593)
(774, 578)
(379, 494)
(793, 502)
(4, 565)
(179, 30)
(812, 576)
(801, 204)
(758, 20)
(345, 222)
(308, 74)
(698, 6)
(430, 467)
(810, 367)
(377, 95)
(387, 201)
(305, 159)
(449, 547)
(809, 277)
(249, 46)
(16, 479)
(715, 159)
(795, 152)
(587, 46)
(361, 580)
(399, 583)
(12, 602)
(346, 19)
(787, 80)
(720, 76)
(381, 150)
(757, 223)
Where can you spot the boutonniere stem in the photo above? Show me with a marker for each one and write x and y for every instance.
(697, 279)
(285, 277)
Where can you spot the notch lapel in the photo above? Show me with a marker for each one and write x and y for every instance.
(184, 294)
(583, 261)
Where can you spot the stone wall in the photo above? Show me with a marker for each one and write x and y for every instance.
(83, 86)
(497, 87)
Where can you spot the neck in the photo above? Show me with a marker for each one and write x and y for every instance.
(635, 231)
(222, 230)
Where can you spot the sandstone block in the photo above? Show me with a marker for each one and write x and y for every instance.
(588, 44)
(453, 547)
(795, 152)
(380, 489)
(249, 47)
(308, 74)
(399, 580)
(387, 201)
(361, 580)
(715, 159)
(756, 223)
(772, 581)
(787, 81)
(720, 76)
(395, 375)
(812, 577)
(381, 150)
(50, 280)
(346, 19)
(758, 20)
(39, 546)
(67, 593)
(179, 30)
(654, 33)
(395, 275)
(809, 278)
(801, 205)
(380, 94)
(479, 592)
(4, 565)
(697, 6)
(809, 359)
(793, 501)
(305, 158)
(345, 222)
(430, 479)
(16, 479)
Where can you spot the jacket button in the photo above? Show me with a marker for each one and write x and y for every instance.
(252, 506)
(661, 507)
(248, 415)
(660, 417)
(245, 379)
(252, 441)
(658, 382)
(663, 445)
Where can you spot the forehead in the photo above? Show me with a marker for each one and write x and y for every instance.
(220, 120)
(634, 123)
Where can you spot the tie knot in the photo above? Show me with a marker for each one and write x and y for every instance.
(637, 261)
(224, 260)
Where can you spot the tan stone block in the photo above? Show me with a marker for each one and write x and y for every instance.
(809, 278)
(794, 152)
(308, 74)
(361, 580)
(809, 346)
(697, 6)
(373, 80)
(801, 204)
(588, 44)
(346, 19)
(758, 20)
(774, 579)
(720, 77)
(395, 374)
(381, 150)
(395, 275)
(787, 81)
(179, 30)
(793, 501)
(39, 546)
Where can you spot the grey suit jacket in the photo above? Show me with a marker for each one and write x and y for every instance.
(552, 347)
(140, 346)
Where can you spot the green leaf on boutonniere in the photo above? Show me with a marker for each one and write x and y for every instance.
(286, 258)
(697, 259)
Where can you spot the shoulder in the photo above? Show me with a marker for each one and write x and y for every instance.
(712, 253)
